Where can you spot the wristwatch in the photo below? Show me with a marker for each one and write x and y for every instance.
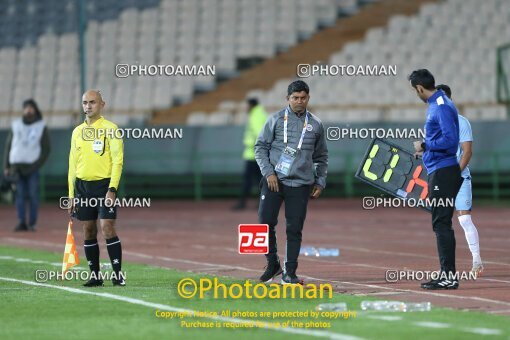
(112, 189)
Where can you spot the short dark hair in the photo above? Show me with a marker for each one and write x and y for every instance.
(446, 89)
(253, 101)
(298, 86)
(422, 77)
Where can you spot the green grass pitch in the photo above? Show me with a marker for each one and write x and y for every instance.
(41, 312)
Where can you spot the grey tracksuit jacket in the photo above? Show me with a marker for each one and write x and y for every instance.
(311, 163)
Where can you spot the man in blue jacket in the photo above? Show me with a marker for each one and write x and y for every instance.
(464, 200)
(444, 181)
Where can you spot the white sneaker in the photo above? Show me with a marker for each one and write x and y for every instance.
(477, 269)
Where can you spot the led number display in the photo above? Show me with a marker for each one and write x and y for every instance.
(393, 170)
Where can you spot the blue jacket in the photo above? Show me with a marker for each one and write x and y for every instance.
(441, 133)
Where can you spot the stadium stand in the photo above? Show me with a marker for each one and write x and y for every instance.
(410, 43)
(39, 54)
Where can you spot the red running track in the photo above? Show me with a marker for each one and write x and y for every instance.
(202, 237)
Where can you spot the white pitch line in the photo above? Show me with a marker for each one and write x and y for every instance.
(227, 249)
(16, 240)
(415, 235)
(19, 259)
(384, 317)
(340, 282)
(387, 252)
(378, 293)
(437, 325)
(251, 270)
(499, 311)
(171, 259)
(494, 280)
(418, 292)
(432, 324)
(209, 269)
(38, 242)
(483, 331)
(312, 259)
(259, 324)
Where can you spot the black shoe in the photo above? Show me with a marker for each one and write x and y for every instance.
(119, 282)
(291, 279)
(424, 285)
(272, 269)
(440, 284)
(21, 227)
(32, 227)
(93, 283)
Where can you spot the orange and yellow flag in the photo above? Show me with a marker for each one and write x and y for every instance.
(70, 254)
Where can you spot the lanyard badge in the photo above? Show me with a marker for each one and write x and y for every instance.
(285, 121)
(289, 154)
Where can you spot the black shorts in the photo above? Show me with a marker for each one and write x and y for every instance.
(91, 200)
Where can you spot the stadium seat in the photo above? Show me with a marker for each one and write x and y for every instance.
(396, 44)
(41, 52)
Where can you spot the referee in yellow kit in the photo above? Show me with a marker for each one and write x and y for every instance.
(95, 167)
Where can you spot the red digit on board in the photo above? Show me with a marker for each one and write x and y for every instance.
(417, 180)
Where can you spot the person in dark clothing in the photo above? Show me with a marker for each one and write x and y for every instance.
(27, 148)
(256, 118)
(292, 155)
(440, 159)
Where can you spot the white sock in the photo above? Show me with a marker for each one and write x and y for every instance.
(471, 236)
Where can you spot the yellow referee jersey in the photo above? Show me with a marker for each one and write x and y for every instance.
(96, 153)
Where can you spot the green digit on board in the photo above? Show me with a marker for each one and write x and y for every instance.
(368, 163)
(389, 172)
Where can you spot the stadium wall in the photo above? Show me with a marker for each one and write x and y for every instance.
(207, 161)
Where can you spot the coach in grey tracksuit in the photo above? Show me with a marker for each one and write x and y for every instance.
(293, 159)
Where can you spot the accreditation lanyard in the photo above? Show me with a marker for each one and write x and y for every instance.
(285, 120)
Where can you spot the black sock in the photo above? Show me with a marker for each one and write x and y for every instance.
(115, 252)
(92, 255)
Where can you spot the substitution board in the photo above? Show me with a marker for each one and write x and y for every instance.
(394, 170)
